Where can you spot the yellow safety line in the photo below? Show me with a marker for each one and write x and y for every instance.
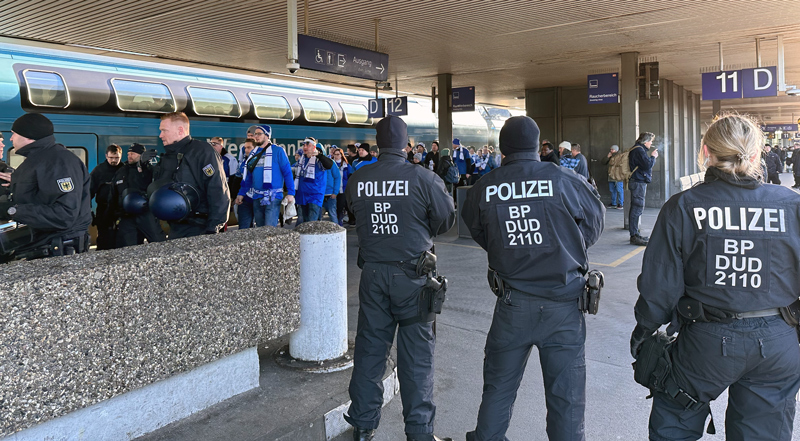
(613, 264)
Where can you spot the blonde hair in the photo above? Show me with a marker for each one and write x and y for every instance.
(177, 118)
(735, 140)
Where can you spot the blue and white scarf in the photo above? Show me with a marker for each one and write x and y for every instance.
(308, 170)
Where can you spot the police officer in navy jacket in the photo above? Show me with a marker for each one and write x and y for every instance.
(729, 248)
(535, 220)
(399, 208)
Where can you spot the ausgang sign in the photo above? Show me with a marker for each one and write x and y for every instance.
(328, 56)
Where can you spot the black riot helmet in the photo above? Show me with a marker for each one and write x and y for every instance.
(174, 201)
(134, 202)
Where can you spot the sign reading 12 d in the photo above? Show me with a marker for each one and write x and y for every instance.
(745, 83)
(328, 56)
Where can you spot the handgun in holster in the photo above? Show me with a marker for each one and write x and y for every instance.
(435, 286)
(498, 287)
(791, 313)
(590, 299)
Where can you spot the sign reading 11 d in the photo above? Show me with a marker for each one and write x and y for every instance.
(745, 83)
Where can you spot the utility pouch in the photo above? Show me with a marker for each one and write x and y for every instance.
(654, 364)
(496, 283)
(691, 309)
(791, 313)
(360, 260)
(590, 300)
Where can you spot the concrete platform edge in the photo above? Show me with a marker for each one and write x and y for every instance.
(335, 424)
(144, 410)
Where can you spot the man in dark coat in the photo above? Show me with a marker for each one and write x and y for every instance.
(104, 218)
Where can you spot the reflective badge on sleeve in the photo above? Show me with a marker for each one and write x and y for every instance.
(65, 185)
(208, 170)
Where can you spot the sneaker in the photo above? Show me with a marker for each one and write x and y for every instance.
(620, 207)
(611, 205)
(638, 241)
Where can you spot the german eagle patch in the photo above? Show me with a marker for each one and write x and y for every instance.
(65, 185)
(208, 170)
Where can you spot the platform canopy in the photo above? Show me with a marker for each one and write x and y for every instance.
(501, 47)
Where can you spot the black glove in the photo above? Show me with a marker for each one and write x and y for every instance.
(714, 314)
(638, 337)
(148, 155)
(4, 206)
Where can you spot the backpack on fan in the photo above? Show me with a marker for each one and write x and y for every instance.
(619, 168)
(452, 176)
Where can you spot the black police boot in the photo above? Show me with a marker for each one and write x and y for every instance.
(638, 240)
(363, 434)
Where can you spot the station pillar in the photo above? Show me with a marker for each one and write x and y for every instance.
(629, 110)
(445, 110)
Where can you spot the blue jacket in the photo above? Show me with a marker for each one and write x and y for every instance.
(639, 160)
(464, 164)
(281, 173)
(346, 172)
(333, 181)
(312, 191)
(360, 162)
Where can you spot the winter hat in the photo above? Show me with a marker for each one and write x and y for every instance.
(519, 134)
(392, 133)
(374, 148)
(418, 157)
(456, 141)
(266, 129)
(445, 152)
(136, 148)
(615, 148)
(364, 146)
(565, 145)
(33, 126)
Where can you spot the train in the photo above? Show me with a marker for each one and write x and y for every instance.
(97, 100)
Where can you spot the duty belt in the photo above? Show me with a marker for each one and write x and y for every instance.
(753, 314)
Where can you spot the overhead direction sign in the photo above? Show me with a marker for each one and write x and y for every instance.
(328, 56)
(745, 83)
(376, 108)
(779, 127)
(397, 106)
(464, 99)
(760, 81)
(603, 88)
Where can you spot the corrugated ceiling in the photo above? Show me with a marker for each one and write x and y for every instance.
(500, 46)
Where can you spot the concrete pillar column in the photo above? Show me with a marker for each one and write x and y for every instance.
(322, 334)
(543, 105)
(445, 110)
(716, 107)
(629, 110)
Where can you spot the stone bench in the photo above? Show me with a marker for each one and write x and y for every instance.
(85, 330)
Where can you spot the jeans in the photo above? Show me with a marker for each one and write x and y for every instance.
(308, 213)
(638, 190)
(266, 215)
(617, 192)
(341, 207)
(329, 205)
(245, 214)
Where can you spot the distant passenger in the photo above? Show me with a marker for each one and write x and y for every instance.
(373, 150)
(135, 221)
(244, 207)
(773, 165)
(364, 157)
(340, 160)
(409, 149)
(616, 179)
(229, 162)
(249, 134)
(50, 192)
(352, 154)
(432, 158)
(794, 162)
(102, 181)
(445, 163)
(311, 181)
(582, 166)
(197, 169)
(566, 159)
(463, 161)
(332, 186)
(548, 155)
(417, 159)
(266, 172)
(642, 165)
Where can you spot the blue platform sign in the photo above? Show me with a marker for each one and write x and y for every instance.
(328, 56)
(759, 82)
(603, 88)
(722, 85)
(779, 127)
(397, 106)
(464, 99)
(375, 108)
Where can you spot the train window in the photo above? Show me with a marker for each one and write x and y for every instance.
(142, 96)
(14, 160)
(355, 113)
(81, 153)
(46, 89)
(317, 110)
(271, 106)
(214, 102)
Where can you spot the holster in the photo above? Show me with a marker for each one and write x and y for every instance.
(791, 313)
(654, 363)
(590, 299)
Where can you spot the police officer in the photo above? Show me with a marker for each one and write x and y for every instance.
(135, 221)
(193, 162)
(49, 192)
(6, 170)
(725, 253)
(399, 208)
(535, 220)
(102, 181)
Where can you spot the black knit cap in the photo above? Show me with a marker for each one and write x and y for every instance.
(136, 148)
(519, 134)
(392, 133)
(33, 126)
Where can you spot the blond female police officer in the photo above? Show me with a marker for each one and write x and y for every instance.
(730, 248)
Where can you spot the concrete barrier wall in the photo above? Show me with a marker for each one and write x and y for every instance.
(81, 329)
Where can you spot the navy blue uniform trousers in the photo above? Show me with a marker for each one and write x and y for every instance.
(558, 330)
(388, 294)
(758, 359)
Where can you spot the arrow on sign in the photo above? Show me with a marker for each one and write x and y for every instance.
(380, 68)
(341, 60)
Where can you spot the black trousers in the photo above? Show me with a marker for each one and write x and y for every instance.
(387, 294)
(133, 230)
(180, 230)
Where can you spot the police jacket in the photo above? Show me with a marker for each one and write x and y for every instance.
(641, 164)
(51, 192)
(795, 162)
(730, 243)
(399, 207)
(773, 163)
(196, 163)
(535, 220)
(130, 178)
(102, 180)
